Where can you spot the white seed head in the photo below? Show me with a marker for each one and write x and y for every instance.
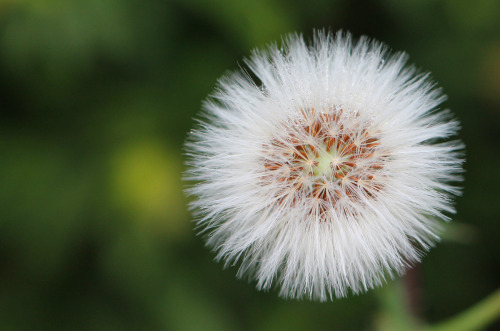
(328, 174)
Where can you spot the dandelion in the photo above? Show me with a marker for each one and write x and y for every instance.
(328, 172)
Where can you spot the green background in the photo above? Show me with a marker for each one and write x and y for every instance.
(96, 99)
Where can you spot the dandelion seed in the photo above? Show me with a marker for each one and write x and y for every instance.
(330, 174)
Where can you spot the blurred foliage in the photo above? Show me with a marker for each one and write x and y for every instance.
(96, 98)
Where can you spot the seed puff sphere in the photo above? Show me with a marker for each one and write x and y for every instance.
(329, 172)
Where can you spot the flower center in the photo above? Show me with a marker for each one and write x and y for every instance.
(324, 163)
(328, 158)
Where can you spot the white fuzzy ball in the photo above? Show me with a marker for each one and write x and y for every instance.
(330, 173)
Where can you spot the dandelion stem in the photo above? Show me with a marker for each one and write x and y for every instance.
(395, 312)
(474, 318)
(412, 282)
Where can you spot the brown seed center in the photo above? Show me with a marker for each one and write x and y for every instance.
(325, 157)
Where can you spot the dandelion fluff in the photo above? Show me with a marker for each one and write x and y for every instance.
(330, 173)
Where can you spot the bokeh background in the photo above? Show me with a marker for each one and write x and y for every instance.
(96, 98)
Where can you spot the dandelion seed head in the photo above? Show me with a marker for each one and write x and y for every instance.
(330, 174)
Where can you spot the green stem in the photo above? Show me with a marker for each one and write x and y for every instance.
(475, 318)
(394, 314)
